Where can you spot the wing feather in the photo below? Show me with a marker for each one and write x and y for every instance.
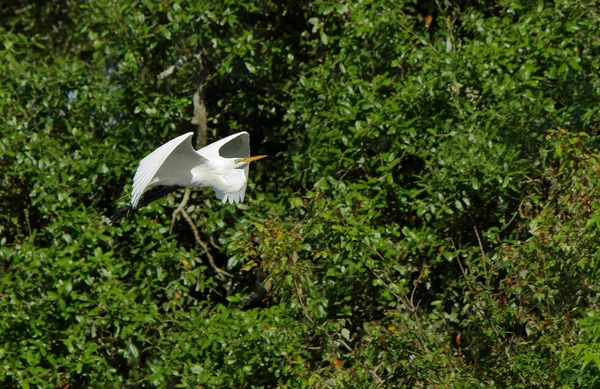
(170, 164)
(233, 146)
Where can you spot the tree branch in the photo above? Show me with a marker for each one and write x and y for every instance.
(202, 244)
(200, 120)
(171, 69)
(482, 253)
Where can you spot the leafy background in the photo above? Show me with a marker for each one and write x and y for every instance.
(428, 215)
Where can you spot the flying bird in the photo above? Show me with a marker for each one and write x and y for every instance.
(222, 166)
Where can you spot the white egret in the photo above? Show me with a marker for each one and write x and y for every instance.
(222, 165)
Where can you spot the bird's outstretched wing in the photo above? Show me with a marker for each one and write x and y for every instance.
(170, 164)
(233, 146)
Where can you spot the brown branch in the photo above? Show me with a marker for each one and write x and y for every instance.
(213, 243)
(200, 120)
(408, 303)
(462, 269)
(301, 302)
(346, 345)
(373, 372)
(294, 257)
(517, 212)
(478, 304)
(171, 69)
(200, 243)
(180, 208)
(200, 117)
(388, 287)
(482, 252)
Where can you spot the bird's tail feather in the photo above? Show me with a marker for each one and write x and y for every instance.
(120, 213)
(146, 199)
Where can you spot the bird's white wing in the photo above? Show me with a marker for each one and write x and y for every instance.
(170, 164)
(233, 146)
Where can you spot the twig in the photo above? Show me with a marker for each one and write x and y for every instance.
(374, 374)
(412, 294)
(213, 243)
(346, 346)
(479, 304)
(301, 302)
(27, 220)
(517, 212)
(200, 243)
(409, 303)
(482, 252)
(180, 208)
(462, 269)
(387, 286)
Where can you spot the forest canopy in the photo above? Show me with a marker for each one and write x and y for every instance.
(428, 214)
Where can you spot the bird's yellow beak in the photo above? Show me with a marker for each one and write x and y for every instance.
(251, 159)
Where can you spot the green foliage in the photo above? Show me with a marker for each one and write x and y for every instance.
(581, 363)
(428, 215)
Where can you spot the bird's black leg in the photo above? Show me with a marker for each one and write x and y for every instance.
(146, 199)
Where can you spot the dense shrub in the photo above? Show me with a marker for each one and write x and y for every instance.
(427, 217)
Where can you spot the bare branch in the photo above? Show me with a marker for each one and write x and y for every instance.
(213, 243)
(171, 69)
(346, 346)
(199, 119)
(202, 244)
(373, 372)
(294, 256)
(482, 252)
(181, 207)
(408, 302)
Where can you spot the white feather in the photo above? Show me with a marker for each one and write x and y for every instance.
(170, 164)
(177, 163)
(233, 146)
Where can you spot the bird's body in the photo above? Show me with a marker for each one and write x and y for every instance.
(222, 165)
